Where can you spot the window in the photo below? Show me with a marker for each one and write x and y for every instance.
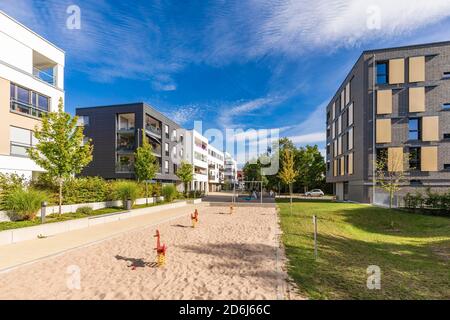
(328, 132)
(446, 166)
(414, 159)
(166, 131)
(415, 182)
(166, 149)
(446, 106)
(382, 158)
(339, 125)
(350, 139)
(21, 141)
(174, 135)
(166, 166)
(446, 136)
(83, 121)
(414, 129)
(27, 101)
(382, 72)
(446, 75)
(328, 149)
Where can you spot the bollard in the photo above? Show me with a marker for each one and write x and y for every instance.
(43, 211)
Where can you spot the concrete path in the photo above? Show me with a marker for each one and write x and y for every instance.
(18, 254)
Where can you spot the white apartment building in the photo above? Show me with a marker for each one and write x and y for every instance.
(230, 173)
(31, 84)
(216, 169)
(196, 153)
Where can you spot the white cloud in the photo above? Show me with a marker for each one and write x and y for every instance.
(184, 114)
(309, 138)
(297, 27)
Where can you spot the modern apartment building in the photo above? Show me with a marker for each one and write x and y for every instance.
(394, 102)
(196, 153)
(31, 84)
(116, 131)
(216, 169)
(230, 173)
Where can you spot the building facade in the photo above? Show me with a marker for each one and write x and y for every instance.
(196, 153)
(216, 169)
(31, 84)
(116, 131)
(394, 104)
(230, 174)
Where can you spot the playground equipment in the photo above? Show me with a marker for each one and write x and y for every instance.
(194, 218)
(160, 250)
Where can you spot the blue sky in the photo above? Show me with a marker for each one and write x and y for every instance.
(232, 64)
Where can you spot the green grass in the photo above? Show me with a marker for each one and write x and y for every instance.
(413, 251)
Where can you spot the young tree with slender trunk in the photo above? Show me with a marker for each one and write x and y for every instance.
(145, 164)
(288, 174)
(186, 174)
(60, 149)
(390, 174)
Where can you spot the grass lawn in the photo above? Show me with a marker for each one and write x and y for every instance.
(413, 251)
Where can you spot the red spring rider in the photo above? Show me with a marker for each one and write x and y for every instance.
(160, 250)
(194, 218)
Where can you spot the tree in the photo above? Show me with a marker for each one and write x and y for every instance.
(60, 149)
(311, 166)
(145, 165)
(389, 173)
(186, 173)
(288, 174)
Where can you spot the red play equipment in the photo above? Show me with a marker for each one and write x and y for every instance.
(160, 250)
(194, 218)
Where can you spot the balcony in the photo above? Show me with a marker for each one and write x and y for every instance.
(125, 148)
(125, 168)
(27, 109)
(154, 130)
(44, 75)
(43, 68)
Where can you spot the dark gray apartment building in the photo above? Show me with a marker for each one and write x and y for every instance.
(117, 130)
(394, 102)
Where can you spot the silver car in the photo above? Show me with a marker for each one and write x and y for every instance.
(315, 193)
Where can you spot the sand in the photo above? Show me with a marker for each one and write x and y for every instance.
(225, 257)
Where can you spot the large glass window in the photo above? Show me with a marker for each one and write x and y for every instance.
(27, 101)
(21, 141)
(414, 129)
(382, 158)
(382, 72)
(414, 158)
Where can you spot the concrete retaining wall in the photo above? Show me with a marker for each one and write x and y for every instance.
(73, 207)
(50, 229)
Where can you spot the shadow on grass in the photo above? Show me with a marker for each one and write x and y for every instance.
(340, 272)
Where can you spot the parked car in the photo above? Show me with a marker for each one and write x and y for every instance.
(315, 193)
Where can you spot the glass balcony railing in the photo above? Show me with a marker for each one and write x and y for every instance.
(126, 147)
(153, 129)
(127, 168)
(44, 76)
(28, 109)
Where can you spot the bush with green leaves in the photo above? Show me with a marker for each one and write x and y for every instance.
(169, 192)
(86, 189)
(9, 183)
(86, 210)
(23, 204)
(126, 190)
(431, 202)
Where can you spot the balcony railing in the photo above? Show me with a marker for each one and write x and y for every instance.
(28, 109)
(44, 76)
(126, 148)
(154, 130)
(125, 167)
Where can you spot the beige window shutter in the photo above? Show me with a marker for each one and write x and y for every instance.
(417, 99)
(343, 99)
(429, 158)
(384, 101)
(350, 163)
(416, 69)
(430, 128)
(396, 71)
(350, 115)
(347, 93)
(395, 159)
(342, 166)
(335, 168)
(383, 129)
(340, 145)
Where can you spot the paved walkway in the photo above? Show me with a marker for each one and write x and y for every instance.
(18, 254)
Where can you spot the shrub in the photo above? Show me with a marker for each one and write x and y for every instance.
(86, 210)
(9, 183)
(23, 204)
(169, 192)
(196, 194)
(126, 190)
(156, 189)
(85, 190)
